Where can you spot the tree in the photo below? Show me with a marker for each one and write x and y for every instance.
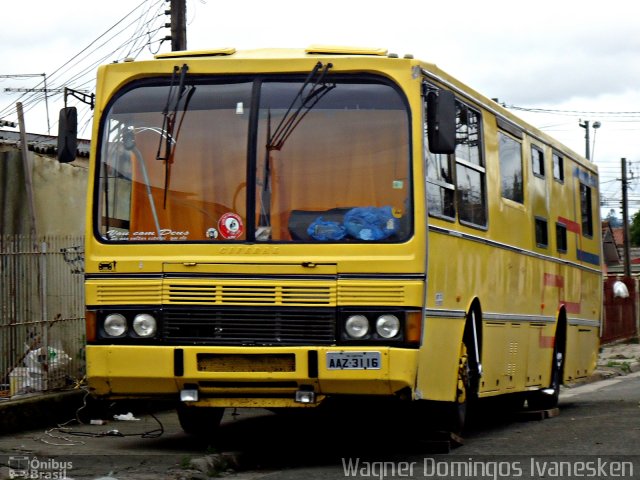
(634, 230)
(613, 220)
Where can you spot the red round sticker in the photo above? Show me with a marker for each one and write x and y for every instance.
(230, 226)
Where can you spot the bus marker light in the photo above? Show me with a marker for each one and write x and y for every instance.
(189, 395)
(305, 396)
(413, 327)
(90, 323)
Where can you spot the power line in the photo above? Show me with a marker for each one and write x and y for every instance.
(624, 114)
(78, 71)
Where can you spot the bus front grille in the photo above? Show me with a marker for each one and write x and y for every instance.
(217, 326)
(231, 292)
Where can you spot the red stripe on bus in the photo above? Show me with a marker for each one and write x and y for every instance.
(552, 280)
(571, 307)
(546, 342)
(570, 224)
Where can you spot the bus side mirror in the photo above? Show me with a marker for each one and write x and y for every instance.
(67, 134)
(441, 121)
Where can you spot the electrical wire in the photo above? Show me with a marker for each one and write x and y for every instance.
(63, 433)
(622, 114)
(78, 71)
(91, 67)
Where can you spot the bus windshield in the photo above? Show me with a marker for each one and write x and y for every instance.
(210, 163)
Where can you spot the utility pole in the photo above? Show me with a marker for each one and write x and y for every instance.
(46, 103)
(26, 164)
(585, 125)
(625, 221)
(178, 25)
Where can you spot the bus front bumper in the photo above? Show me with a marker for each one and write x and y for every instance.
(249, 376)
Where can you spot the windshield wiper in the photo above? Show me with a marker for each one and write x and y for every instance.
(169, 114)
(314, 88)
(292, 118)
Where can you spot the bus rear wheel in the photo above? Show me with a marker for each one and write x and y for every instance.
(200, 421)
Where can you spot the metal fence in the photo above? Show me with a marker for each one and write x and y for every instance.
(42, 334)
(620, 314)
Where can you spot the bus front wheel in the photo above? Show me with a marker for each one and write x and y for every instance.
(200, 421)
(452, 416)
(458, 410)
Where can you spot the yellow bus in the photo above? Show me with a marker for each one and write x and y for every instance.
(280, 228)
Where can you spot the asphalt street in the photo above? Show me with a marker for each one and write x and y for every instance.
(597, 422)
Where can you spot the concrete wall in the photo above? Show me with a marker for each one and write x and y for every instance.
(59, 194)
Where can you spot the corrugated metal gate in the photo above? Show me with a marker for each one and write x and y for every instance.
(42, 334)
(619, 313)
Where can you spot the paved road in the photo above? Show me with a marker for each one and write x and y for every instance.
(598, 422)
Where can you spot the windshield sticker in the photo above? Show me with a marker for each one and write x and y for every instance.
(165, 234)
(230, 226)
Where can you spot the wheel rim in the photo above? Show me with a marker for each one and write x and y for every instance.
(463, 376)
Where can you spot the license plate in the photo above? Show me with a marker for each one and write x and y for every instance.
(353, 360)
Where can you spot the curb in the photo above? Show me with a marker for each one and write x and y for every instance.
(604, 372)
(38, 410)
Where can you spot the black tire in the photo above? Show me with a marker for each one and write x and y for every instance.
(452, 416)
(200, 421)
(547, 398)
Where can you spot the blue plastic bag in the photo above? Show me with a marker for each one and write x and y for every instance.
(322, 230)
(371, 223)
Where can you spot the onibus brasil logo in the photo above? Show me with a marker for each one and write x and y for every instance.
(36, 468)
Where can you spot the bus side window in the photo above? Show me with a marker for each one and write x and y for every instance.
(510, 153)
(561, 237)
(586, 210)
(460, 186)
(542, 233)
(537, 161)
(440, 187)
(470, 167)
(558, 167)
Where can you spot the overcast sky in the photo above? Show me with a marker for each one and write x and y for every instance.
(567, 55)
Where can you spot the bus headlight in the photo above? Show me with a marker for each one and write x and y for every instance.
(387, 326)
(144, 325)
(115, 325)
(357, 326)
